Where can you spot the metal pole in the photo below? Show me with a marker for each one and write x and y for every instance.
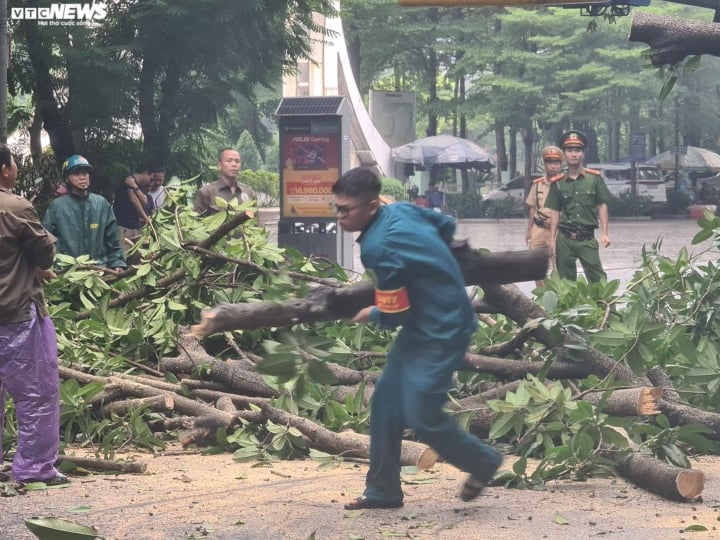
(677, 144)
(4, 57)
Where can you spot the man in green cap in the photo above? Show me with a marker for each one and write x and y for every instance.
(577, 202)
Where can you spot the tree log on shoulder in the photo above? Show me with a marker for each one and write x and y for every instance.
(336, 303)
(672, 39)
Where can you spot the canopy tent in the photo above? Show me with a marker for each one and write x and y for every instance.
(693, 158)
(443, 150)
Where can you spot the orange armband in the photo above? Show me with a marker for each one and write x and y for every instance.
(394, 301)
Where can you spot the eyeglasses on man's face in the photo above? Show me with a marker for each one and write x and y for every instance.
(345, 209)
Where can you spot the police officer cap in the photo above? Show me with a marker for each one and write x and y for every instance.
(551, 152)
(573, 138)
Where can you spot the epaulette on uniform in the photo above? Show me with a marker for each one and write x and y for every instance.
(592, 171)
(553, 179)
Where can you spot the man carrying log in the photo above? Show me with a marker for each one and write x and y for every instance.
(418, 284)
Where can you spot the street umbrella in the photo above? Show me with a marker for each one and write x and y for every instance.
(694, 158)
(443, 150)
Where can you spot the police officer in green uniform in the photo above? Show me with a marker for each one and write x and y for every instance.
(577, 202)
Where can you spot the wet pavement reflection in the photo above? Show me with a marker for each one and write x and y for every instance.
(620, 260)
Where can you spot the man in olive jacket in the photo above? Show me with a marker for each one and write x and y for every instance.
(83, 222)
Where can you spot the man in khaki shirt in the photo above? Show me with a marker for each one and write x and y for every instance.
(227, 188)
(538, 229)
(28, 347)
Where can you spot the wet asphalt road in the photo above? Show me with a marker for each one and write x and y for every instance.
(628, 237)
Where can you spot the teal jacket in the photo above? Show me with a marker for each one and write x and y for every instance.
(418, 281)
(85, 227)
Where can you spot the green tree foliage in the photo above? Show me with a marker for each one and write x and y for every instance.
(155, 63)
(393, 187)
(534, 72)
(266, 183)
(249, 152)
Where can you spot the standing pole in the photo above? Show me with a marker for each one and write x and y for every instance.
(677, 145)
(4, 61)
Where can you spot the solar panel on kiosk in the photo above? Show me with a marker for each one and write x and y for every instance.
(309, 106)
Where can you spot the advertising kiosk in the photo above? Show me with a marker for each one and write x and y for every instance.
(314, 153)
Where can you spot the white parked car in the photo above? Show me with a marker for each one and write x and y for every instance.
(514, 190)
(617, 177)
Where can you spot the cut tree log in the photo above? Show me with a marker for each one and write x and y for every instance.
(659, 477)
(348, 443)
(679, 413)
(162, 403)
(225, 404)
(335, 303)
(641, 401)
(104, 464)
(672, 39)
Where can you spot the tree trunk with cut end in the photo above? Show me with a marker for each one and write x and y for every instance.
(672, 39)
(163, 402)
(348, 443)
(659, 477)
(225, 404)
(629, 401)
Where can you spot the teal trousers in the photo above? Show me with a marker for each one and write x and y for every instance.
(411, 394)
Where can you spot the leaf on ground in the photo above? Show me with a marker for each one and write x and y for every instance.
(561, 520)
(353, 514)
(695, 528)
(80, 509)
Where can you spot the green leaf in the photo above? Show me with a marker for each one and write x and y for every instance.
(503, 424)
(278, 365)
(695, 528)
(320, 372)
(561, 520)
(520, 466)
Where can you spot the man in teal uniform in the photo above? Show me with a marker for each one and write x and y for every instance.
(419, 286)
(83, 222)
(577, 202)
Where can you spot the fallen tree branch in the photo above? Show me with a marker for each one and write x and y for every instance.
(516, 369)
(104, 464)
(162, 402)
(165, 282)
(233, 377)
(348, 443)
